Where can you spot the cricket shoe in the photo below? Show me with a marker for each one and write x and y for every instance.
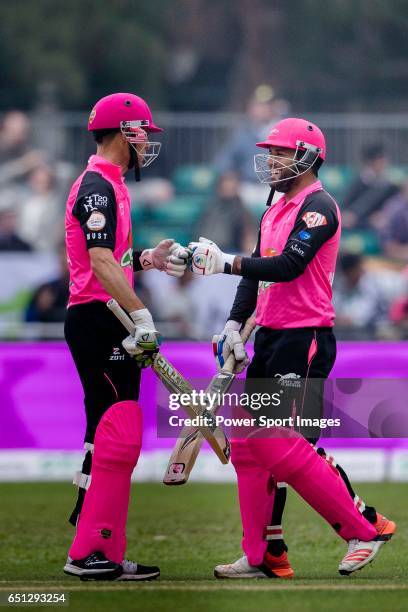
(93, 567)
(272, 567)
(137, 571)
(360, 553)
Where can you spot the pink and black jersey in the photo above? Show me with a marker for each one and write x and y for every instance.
(290, 274)
(97, 215)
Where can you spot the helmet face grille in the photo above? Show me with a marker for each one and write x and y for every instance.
(268, 168)
(137, 137)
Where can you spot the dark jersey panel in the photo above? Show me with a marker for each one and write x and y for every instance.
(316, 222)
(247, 290)
(95, 208)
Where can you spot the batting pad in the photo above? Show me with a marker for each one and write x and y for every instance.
(102, 522)
(256, 492)
(293, 460)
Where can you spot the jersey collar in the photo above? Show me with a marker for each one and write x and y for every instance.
(113, 171)
(300, 197)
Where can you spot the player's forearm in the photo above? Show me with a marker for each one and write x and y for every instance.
(282, 268)
(110, 275)
(245, 300)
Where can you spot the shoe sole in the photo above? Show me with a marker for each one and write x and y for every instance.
(77, 572)
(124, 577)
(220, 576)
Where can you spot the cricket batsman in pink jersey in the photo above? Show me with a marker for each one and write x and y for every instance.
(102, 264)
(288, 281)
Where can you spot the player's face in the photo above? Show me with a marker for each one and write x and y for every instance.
(280, 162)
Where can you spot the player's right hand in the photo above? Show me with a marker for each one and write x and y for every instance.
(229, 340)
(145, 342)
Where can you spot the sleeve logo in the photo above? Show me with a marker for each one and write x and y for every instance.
(96, 221)
(314, 219)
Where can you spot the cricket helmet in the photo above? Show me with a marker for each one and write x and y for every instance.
(112, 111)
(132, 116)
(305, 138)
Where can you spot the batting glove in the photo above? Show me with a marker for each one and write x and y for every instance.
(168, 256)
(207, 258)
(229, 340)
(144, 343)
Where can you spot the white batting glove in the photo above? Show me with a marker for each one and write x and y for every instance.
(144, 343)
(207, 258)
(228, 341)
(168, 256)
(176, 263)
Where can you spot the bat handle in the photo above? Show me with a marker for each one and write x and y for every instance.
(245, 334)
(121, 315)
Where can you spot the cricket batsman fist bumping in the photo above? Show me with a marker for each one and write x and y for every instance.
(288, 281)
(102, 263)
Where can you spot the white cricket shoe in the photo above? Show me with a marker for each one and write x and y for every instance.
(361, 553)
(238, 569)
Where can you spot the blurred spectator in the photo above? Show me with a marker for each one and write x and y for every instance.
(178, 308)
(238, 154)
(9, 237)
(41, 212)
(362, 296)
(225, 219)
(369, 190)
(49, 301)
(17, 158)
(394, 225)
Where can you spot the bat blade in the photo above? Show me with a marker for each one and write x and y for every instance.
(188, 445)
(176, 383)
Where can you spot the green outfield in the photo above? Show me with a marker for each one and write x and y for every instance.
(187, 530)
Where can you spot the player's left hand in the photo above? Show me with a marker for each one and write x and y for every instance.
(207, 258)
(176, 263)
(168, 256)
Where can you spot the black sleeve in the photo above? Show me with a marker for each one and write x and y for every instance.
(137, 266)
(95, 208)
(247, 291)
(316, 222)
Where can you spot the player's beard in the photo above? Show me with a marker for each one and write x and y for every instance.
(284, 185)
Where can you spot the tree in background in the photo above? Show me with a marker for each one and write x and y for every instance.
(84, 48)
(206, 54)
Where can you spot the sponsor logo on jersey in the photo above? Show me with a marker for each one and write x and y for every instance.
(289, 380)
(297, 249)
(314, 219)
(94, 200)
(304, 235)
(270, 252)
(116, 355)
(96, 221)
(97, 236)
(127, 258)
(264, 285)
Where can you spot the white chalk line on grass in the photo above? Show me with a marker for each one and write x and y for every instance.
(260, 586)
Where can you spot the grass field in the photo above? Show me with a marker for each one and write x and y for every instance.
(187, 530)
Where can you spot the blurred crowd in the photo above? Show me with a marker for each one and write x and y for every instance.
(223, 202)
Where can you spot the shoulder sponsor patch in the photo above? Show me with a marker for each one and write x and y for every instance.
(96, 221)
(304, 235)
(314, 219)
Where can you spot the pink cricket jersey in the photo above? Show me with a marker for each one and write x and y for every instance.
(308, 226)
(97, 215)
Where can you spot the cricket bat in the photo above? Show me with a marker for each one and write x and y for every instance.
(189, 442)
(176, 383)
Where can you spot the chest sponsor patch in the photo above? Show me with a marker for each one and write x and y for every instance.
(96, 221)
(314, 219)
